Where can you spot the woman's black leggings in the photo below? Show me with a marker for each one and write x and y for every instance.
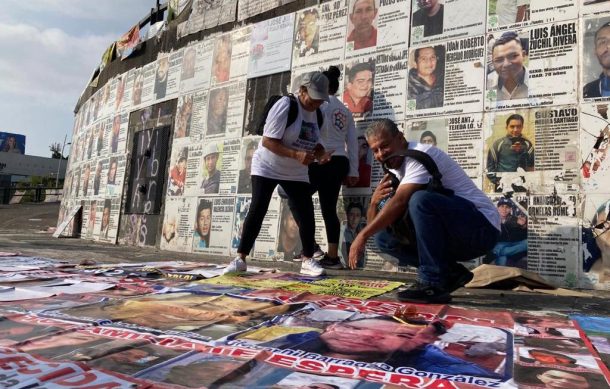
(299, 196)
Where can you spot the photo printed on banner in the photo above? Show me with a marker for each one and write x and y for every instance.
(161, 76)
(178, 222)
(511, 248)
(595, 55)
(184, 118)
(594, 147)
(225, 110)
(507, 14)
(266, 243)
(351, 211)
(114, 176)
(596, 241)
(319, 35)
(118, 133)
(553, 238)
(176, 179)
(210, 170)
(271, 46)
(533, 66)
(196, 64)
(109, 220)
(221, 59)
(258, 91)
(459, 136)
(242, 206)
(446, 78)
(437, 20)
(359, 80)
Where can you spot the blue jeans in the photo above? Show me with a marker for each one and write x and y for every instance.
(447, 229)
(503, 250)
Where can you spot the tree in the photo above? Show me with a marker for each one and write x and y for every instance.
(56, 151)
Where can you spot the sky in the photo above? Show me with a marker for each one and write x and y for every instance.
(49, 50)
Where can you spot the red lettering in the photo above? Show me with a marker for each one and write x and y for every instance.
(341, 370)
(372, 375)
(74, 381)
(243, 352)
(440, 384)
(20, 361)
(408, 381)
(281, 360)
(311, 365)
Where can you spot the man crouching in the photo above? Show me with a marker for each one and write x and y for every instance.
(448, 220)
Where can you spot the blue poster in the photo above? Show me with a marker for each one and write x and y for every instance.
(12, 143)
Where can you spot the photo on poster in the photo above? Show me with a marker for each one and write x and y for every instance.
(97, 178)
(161, 76)
(362, 25)
(138, 85)
(358, 91)
(431, 131)
(307, 33)
(595, 67)
(177, 171)
(188, 63)
(221, 60)
(184, 115)
(289, 246)
(217, 111)
(244, 183)
(242, 206)
(594, 147)
(426, 77)
(596, 241)
(436, 20)
(203, 224)
(351, 211)
(210, 169)
(509, 150)
(511, 248)
(178, 221)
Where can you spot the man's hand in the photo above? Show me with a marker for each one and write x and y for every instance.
(304, 157)
(356, 251)
(383, 190)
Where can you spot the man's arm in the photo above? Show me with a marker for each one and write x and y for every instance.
(393, 209)
(277, 147)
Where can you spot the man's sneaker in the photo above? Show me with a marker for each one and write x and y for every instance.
(317, 254)
(311, 267)
(235, 266)
(458, 277)
(423, 294)
(328, 262)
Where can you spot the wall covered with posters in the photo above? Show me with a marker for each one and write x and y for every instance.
(516, 91)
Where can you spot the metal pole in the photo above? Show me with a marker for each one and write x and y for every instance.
(61, 156)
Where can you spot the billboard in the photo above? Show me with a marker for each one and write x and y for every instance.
(12, 143)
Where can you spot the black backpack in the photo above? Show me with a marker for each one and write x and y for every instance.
(403, 229)
(293, 111)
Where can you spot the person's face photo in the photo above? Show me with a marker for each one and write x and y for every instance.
(188, 64)
(86, 175)
(363, 15)
(210, 161)
(363, 149)
(181, 165)
(120, 89)
(504, 210)
(136, 94)
(427, 4)
(508, 60)
(602, 47)
(112, 172)
(92, 213)
(204, 221)
(219, 104)
(309, 28)
(361, 86)
(105, 217)
(374, 337)
(428, 140)
(559, 379)
(514, 128)
(169, 229)
(222, 60)
(354, 215)
(426, 62)
(162, 69)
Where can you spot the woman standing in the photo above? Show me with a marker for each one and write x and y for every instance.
(281, 159)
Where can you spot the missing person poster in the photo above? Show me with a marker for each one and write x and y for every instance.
(196, 64)
(511, 248)
(438, 20)
(213, 225)
(319, 36)
(388, 92)
(271, 46)
(460, 136)
(533, 66)
(553, 236)
(375, 26)
(242, 206)
(240, 52)
(109, 223)
(178, 224)
(265, 246)
(230, 163)
(596, 241)
(595, 59)
(594, 147)
(446, 78)
(506, 14)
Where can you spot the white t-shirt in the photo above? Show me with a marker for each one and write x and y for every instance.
(507, 10)
(339, 133)
(303, 134)
(454, 178)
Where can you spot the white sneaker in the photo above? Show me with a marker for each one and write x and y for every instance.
(235, 266)
(311, 267)
(317, 254)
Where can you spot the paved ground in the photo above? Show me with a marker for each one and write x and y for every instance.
(24, 228)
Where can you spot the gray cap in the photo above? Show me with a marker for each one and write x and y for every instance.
(316, 84)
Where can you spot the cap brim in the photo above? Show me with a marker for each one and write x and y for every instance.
(316, 94)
